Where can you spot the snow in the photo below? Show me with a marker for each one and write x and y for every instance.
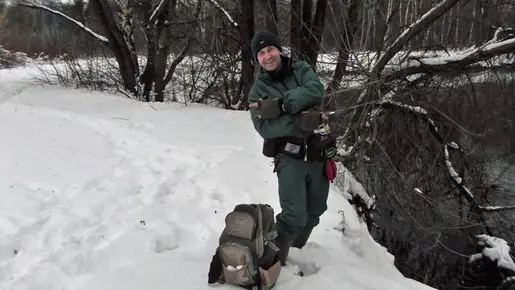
(102, 192)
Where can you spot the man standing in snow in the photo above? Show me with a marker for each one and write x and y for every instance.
(279, 99)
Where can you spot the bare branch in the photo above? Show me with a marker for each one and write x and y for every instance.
(78, 24)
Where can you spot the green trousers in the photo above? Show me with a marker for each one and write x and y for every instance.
(303, 192)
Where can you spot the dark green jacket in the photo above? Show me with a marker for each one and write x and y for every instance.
(299, 88)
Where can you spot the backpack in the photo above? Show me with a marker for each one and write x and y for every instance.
(246, 255)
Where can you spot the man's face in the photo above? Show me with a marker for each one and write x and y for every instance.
(269, 58)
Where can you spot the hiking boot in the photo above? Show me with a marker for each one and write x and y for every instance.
(284, 248)
(302, 238)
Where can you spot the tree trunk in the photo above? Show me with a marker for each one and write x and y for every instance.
(474, 26)
(147, 77)
(380, 19)
(295, 28)
(265, 15)
(163, 38)
(246, 32)
(316, 32)
(271, 19)
(347, 40)
(305, 31)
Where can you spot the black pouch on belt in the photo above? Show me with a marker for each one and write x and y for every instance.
(270, 148)
(319, 146)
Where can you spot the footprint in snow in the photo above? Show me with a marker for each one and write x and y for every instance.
(164, 243)
(303, 268)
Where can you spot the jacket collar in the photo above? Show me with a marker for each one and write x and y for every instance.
(281, 73)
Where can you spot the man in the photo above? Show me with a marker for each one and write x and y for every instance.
(278, 100)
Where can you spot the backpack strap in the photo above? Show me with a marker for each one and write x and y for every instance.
(259, 232)
(215, 269)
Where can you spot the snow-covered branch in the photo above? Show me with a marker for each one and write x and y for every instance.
(234, 23)
(67, 18)
(496, 208)
(495, 249)
(415, 28)
(157, 11)
(490, 49)
(456, 177)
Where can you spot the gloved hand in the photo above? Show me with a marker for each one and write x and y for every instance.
(270, 108)
(310, 120)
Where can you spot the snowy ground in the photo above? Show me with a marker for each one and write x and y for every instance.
(101, 192)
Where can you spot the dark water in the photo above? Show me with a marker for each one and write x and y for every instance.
(502, 173)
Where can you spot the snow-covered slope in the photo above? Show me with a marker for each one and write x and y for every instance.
(102, 192)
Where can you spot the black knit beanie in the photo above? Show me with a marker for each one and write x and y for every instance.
(264, 39)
